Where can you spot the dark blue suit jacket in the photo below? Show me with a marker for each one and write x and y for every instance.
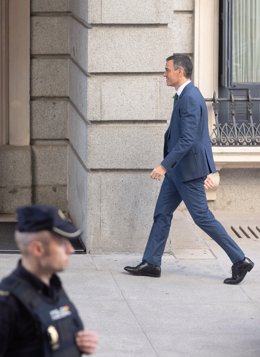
(187, 145)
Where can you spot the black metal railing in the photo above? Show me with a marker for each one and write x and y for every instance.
(233, 131)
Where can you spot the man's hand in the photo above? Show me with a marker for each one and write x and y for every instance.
(86, 341)
(208, 183)
(158, 172)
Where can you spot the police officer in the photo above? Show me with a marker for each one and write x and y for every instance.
(36, 316)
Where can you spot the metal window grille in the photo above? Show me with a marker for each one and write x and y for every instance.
(236, 129)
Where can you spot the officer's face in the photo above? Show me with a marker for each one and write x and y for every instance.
(56, 252)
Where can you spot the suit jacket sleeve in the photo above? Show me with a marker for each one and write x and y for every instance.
(189, 121)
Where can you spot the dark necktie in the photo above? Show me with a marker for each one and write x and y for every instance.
(175, 99)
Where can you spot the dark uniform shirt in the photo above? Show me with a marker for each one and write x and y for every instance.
(20, 335)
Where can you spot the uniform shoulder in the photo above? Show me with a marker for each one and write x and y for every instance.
(9, 305)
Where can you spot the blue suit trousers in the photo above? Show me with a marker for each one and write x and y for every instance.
(172, 192)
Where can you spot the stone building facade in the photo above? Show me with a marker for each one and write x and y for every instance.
(88, 107)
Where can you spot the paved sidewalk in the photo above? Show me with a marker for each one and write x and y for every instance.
(188, 312)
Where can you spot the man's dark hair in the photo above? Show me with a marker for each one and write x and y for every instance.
(184, 61)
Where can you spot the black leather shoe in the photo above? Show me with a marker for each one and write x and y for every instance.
(239, 271)
(145, 269)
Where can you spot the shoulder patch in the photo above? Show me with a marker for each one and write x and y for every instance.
(4, 293)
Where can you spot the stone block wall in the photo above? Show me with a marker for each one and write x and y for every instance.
(15, 177)
(238, 190)
(128, 106)
(50, 64)
(59, 84)
(99, 109)
(78, 125)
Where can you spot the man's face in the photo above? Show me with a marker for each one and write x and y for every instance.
(172, 75)
(55, 257)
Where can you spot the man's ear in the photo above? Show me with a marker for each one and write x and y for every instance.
(182, 74)
(36, 248)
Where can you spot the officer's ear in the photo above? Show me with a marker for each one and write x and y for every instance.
(36, 248)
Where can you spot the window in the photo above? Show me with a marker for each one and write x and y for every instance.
(245, 41)
(239, 71)
(240, 42)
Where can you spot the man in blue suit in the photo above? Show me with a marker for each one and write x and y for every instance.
(187, 162)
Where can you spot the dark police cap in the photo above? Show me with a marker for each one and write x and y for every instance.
(37, 218)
